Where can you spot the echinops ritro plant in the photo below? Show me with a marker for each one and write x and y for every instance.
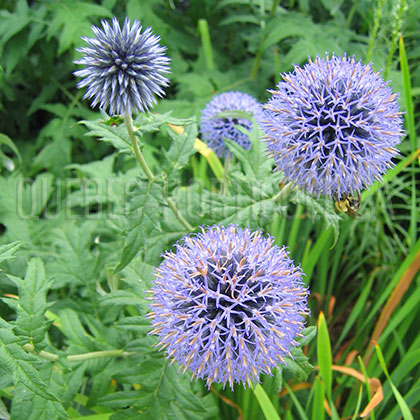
(124, 67)
(332, 126)
(228, 304)
(216, 127)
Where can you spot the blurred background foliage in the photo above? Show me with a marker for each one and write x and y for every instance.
(366, 284)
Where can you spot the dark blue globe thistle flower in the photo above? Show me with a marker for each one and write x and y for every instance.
(214, 128)
(228, 304)
(332, 126)
(124, 67)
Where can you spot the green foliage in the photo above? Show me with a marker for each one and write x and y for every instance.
(21, 364)
(82, 228)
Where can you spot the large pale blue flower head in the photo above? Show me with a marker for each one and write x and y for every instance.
(125, 67)
(228, 304)
(218, 120)
(332, 126)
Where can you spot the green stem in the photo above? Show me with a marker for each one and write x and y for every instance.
(258, 58)
(44, 354)
(274, 7)
(178, 214)
(351, 14)
(225, 191)
(98, 354)
(174, 209)
(378, 13)
(398, 13)
(203, 28)
(277, 76)
(77, 357)
(139, 156)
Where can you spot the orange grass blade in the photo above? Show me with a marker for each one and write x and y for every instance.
(395, 298)
(229, 402)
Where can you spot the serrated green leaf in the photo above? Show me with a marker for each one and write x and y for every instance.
(309, 334)
(11, 214)
(22, 365)
(74, 381)
(74, 264)
(70, 22)
(249, 203)
(297, 366)
(145, 204)
(36, 407)
(164, 394)
(254, 161)
(8, 251)
(37, 194)
(152, 122)
(316, 208)
(182, 148)
(13, 23)
(134, 323)
(116, 136)
(73, 329)
(122, 298)
(31, 321)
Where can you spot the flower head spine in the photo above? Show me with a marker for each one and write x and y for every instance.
(125, 67)
(332, 126)
(228, 304)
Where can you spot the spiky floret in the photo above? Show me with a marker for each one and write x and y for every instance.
(124, 67)
(228, 304)
(214, 128)
(332, 126)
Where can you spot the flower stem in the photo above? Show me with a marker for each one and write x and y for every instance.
(274, 7)
(203, 28)
(225, 190)
(98, 354)
(44, 354)
(78, 357)
(139, 156)
(178, 214)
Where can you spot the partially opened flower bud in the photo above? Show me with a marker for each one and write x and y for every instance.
(228, 304)
(332, 126)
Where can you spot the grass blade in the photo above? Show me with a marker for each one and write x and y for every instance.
(324, 354)
(392, 173)
(265, 403)
(318, 411)
(404, 276)
(203, 28)
(409, 115)
(405, 411)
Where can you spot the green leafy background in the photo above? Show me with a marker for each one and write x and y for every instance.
(82, 228)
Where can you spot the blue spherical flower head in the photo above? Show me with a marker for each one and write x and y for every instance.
(332, 126)
(228, 304)
(125, 67)
(214, 128)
